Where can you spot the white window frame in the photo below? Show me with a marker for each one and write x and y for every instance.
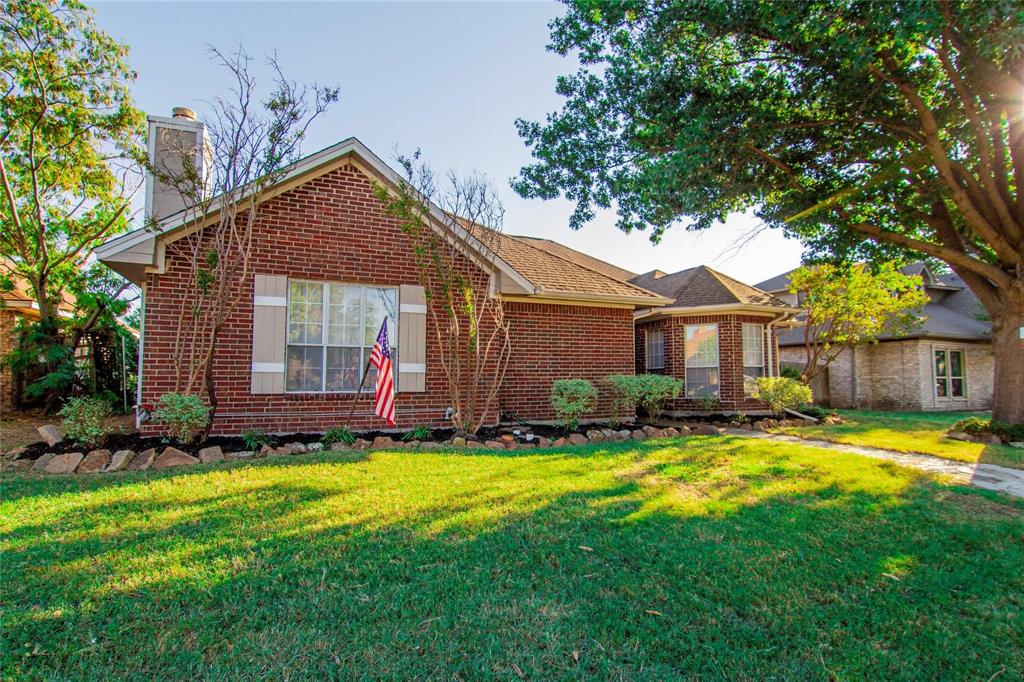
(948, 377)
(324, 344)
(717, 393)
(756, 336)
(647, 349)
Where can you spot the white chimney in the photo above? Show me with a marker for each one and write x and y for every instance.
(171, 140)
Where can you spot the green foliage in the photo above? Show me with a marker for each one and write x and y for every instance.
(782, 393)
(338, 434)
(790, 372)
(255, 440)
(66, 112)
(185, 416)
(976, 426)
(649, 391)
(418, 433)
(83, 419)
(706, 403)
(571, 399)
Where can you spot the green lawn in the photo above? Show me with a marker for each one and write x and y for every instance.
(707, 557)
(923, 432)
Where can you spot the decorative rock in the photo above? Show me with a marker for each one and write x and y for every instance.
(507, 438)
(704, 430)
(638, 435)
(459, 442)
(383, 442)
(994, 440)
(14, 453)
(747, 426)
(173, 457)
(577, 439)
(609, 434)
(120, 460)
(960, 435)
(430, 446)
(623, 434)
(653, 432)
(529, 437)
(543, 442)
(523, 446)
(314, 447)
(671, 432)
(338, 445)
(360, 444)
(1019, 444)
(211, 454)
(560, 442)
(241, 454)
(595, 436)
(50, 434)
(40, 464)
(16, 464)
(142, 461)
(64, 464)
(495, 444)
(266, 450)
(94, 462)
(296, 447)
(684, 430)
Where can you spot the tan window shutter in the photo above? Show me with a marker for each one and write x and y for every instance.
(269, 318)
(412, 339)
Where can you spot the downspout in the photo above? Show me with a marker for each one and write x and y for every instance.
(138, 370)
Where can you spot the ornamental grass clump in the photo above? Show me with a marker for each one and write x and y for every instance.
(571, 399)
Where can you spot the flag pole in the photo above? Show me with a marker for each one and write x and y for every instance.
(352, 409)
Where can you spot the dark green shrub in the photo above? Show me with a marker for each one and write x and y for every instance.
(649, 391)
(255, 440)
(418, 433)
(338, 434)
(571, 399)
(977, 426)
(185, 416)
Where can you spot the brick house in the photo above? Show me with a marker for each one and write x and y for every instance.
(944, 364)
(717, 335)
(326, 251)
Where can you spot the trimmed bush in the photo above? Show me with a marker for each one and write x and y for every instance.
(183, 415)
(571, 399)
(782, 393)
(82, 419)
(976, 426)
(649, 391)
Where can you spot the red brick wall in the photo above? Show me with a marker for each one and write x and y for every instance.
(333, 229)
(563, 342)
(8, 319)
(730, 356)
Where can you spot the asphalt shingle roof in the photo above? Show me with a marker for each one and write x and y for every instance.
(702, 286)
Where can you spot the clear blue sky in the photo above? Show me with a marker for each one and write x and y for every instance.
(449, 78)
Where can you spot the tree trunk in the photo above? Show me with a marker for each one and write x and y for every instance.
(1008, 347)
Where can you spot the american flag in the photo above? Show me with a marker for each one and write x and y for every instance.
(380, 357)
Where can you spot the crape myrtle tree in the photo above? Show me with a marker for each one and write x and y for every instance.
(252, 141)
(867, 129)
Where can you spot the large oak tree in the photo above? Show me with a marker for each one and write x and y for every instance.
(868, 129)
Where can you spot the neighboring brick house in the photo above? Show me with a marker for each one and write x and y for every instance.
(946, 363)
(717, 335)
(329, 265)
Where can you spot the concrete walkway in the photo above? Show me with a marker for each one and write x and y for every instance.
(988, 476)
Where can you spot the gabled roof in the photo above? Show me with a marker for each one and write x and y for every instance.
(703, 287)
(558, 270)
(776, 283)
(542, 267)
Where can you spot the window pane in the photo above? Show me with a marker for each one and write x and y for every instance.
(343, 307)
(940, 363)
(956, 363)
(305, 364)
(344, 369)
(701, 381)
(753, 345)
(380, 303)
(957, 388)
(305, 312)
(702, 345)
(750, 376)
(940, 388)
(655, 349)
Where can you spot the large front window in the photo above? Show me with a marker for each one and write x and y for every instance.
(702, 360)
(331, 331)
(949, 373)
(753, 356)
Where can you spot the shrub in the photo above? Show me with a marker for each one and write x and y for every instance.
(183, 415)
(976, 426)
(649, 391)
(337, 434)
(790, 372)
(571, 399)
(418, 433)
(255, 440)
(782, 393)
(706, 402)
(83, 417)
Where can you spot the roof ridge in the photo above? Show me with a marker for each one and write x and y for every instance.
(569, 248)
(520, 239)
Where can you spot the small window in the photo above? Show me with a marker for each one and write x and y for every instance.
(655, 349)
(949, 373)
(331, 331)
(702, 360)
(753, 356)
